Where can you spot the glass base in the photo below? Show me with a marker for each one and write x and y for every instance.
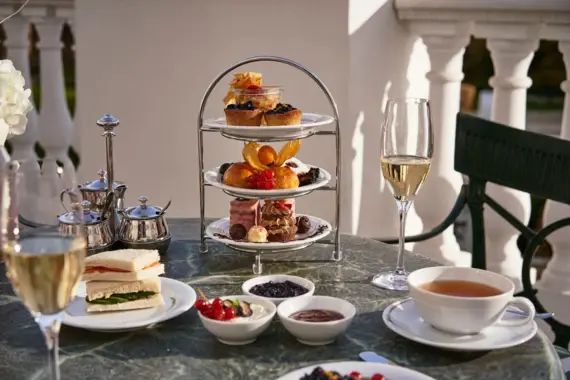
(390, 281)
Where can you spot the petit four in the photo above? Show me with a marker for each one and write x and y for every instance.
(243, 114)
(277, 219)
(245, 212)
(283, 114)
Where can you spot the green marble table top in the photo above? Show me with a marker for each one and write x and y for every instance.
(183, 349)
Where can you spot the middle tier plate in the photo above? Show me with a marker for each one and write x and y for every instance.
(213, 178)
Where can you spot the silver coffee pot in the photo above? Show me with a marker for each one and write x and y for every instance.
(144, 227)
(96, 193)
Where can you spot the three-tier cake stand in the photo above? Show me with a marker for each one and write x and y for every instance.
(335, 240)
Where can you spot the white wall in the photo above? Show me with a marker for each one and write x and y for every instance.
(149, 62)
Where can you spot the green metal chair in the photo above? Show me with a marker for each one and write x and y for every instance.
(530, 162)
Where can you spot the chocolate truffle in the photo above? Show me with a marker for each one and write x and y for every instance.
(238, 232)
(303, 224)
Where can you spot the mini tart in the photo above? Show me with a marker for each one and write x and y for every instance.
(283, 114)
(248, 118)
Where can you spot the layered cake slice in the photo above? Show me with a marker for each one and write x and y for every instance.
(277, 218)
(245, 212)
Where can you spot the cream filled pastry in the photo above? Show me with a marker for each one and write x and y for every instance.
(277, 218)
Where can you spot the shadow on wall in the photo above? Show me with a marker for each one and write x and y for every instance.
(380, 51)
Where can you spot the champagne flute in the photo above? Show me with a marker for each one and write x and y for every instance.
(406, 149)
(44, 264)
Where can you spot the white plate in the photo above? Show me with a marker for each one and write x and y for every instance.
(403, 318)
(309, 125)
(222, 226)
(215, 179)
(391, 372)
(178, 298)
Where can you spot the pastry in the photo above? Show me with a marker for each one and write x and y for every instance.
(277, 219)
(238, 232)
(244, 114)
(290, 203)
(244, 212)
(309, 177)
(285, 178)
(237, 175)
(257, 234)
(283, 114)
(303, 224)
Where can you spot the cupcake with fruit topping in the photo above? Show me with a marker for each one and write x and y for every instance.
(277, 218)
(283, 114)
(243, 114)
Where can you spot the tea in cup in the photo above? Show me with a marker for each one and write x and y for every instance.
(465, 301)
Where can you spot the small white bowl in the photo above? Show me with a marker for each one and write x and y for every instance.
(278, 278)
(240, 332)
(316, 333)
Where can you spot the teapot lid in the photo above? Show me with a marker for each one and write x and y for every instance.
(89, 216)
(99, 184)
(143, 211)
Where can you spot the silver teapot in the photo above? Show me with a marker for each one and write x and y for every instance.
(144, 227)
(99, 235)
(96, 192)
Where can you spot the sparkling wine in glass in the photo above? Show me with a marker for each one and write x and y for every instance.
(405, 157)
(44, 264)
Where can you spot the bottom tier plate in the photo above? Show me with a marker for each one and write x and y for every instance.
(219, 231)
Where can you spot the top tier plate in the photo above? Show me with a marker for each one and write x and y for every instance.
(310, 122)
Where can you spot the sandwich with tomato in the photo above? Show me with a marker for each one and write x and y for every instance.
(123, 280)
(123, 265)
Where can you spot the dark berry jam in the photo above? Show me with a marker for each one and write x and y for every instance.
(284, 289)
(248, 106)
(281, 108)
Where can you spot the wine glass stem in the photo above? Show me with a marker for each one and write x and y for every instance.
(403, 207)
(50, 325)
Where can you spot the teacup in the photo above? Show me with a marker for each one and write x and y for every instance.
(465, 301)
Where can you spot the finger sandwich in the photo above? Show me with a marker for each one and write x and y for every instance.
(123, 265)
(119, 295)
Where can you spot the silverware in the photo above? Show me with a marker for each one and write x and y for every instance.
(97, 229)
(144, 227)
(525, 314)
(373, 357)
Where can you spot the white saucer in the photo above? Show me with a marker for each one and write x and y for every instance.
(310, 122)
(403, 318)
(215, 179)
(219, 229)
(365, 369)
(178, 298)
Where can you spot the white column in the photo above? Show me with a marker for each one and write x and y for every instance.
(511, 60)
(555, 281)
(17, 46)
(440, 192)
(55, 122)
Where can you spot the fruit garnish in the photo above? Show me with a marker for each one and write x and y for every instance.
(264, 180)
(267, 155)
(242, 81)
(288, 151)
(254, 87)
(378, 376)
(249, 153)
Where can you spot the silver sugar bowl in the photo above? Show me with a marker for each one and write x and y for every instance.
(99, 235)
(144, 227)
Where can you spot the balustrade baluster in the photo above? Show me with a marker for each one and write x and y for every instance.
(56, 126)
(445, 45)
(555, 281)
(512, 48)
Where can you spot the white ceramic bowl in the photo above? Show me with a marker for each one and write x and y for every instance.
(316, 333)
(278, 278)
(240, 332)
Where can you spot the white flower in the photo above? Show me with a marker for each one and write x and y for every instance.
(15, 102)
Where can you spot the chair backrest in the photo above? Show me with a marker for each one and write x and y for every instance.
(527, 161)
(538, 164)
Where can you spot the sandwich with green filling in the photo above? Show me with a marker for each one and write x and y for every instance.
(118, 296)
